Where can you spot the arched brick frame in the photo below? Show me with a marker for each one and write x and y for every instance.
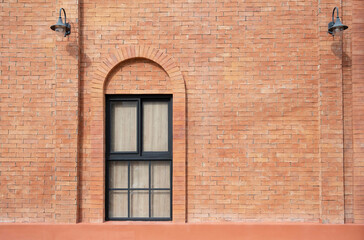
(100, 77)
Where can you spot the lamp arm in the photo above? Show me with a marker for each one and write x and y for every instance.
(333, 13)
(64, 12)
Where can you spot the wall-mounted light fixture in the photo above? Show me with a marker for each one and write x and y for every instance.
(335, 27)
(62, 28)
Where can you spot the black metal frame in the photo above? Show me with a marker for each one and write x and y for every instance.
(139, 155)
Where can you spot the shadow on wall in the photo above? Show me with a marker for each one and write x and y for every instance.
(336, 48)
(72, 49)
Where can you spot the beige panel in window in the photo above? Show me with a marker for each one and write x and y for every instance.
(118, 175)
(155, 126)
(161, 203)
(124, 126)
(118, 203)
(139, 174)
(139, 203)
(160, 174)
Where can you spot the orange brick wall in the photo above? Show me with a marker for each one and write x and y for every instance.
(27, 113)
(358, 107)
(347, 12)
(267, 110)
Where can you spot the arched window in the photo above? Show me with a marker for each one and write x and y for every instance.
(107, 86)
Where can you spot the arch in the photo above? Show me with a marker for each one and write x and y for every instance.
(97, 137)
(138, 73)
(130, 52)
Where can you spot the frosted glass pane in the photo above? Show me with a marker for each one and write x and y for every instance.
(160, 174)
(139, 174)
(161, 203)
(155, 126)
(124, 126)
(118, 203)
(139, 203)
(118, 175)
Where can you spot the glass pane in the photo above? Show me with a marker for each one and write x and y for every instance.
(118, 174)
(161, 203)
(155, 126)
(139, 203)
(118, 203)
(139, 174)
(124, 126)
(160, 174)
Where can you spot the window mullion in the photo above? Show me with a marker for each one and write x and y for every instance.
(150, 205)
(140, 130)
(170, 127)
(128, 189)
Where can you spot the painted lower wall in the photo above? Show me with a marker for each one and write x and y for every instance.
(269, 112)
(132, 231)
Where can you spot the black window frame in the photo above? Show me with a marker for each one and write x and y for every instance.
(139, 155)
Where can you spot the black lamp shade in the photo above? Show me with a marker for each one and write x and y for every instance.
(59, 24)
(338, 26)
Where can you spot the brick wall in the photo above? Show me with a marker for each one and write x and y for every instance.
(27, 105)
(347, 11)
(358, 107)
(268, 109)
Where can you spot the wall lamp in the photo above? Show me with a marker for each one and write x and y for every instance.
(62, 28)
(335, 27)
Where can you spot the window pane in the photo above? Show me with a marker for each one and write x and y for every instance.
(161, 203)
(118, 203)
(160, 174)
(124, 126)
(155, 126)
(118, 174)
(139, 174)
(139, 203)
